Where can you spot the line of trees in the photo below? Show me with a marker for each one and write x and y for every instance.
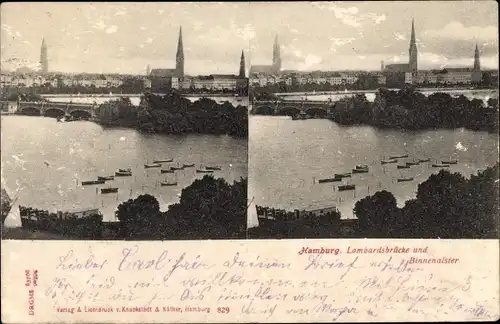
(409, 109)
(174, 114)
(209, 208)
(447, 205)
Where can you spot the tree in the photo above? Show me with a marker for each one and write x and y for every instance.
(376, 213)
(138, 217)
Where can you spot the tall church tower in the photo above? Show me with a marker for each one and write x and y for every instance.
(44, 61)
(242, 65)
(412, 64)
(276, 56)
(477, 64)
(179, 57)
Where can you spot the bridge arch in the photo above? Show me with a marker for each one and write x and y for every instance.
(54, 112)
(30, 111)
(317, 112)
(264, 110)
(290, 111)
(80, 113)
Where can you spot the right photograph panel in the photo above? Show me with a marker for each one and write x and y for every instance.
(378, 120)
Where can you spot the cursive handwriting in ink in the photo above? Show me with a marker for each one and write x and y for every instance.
(72, 262)
(130, 262)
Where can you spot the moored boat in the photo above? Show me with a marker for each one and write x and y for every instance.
(163, 161)
(398, 157)
(92, 182)
(412, 163)
(169, 183)
(335, 179)
(108, 190)
(342, 175)
(388, 161)
(106, 178)
(204, 171)
(440, 165)
(125, 170)
(405, 179)
(147, 166)
(215, 168)
(424, 160)
(188, 165)
(123, 174)
(361, 166)
(166, 171)
(449, 162)
(406, 166)
(360, 170)
(346, 187)
(177, 168)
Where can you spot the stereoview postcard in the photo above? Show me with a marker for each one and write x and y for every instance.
(249, 162)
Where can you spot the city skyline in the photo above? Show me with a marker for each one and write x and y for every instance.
(354, 35)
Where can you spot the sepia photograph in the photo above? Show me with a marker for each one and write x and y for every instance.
(374, 120)
(249, 162)
(123, 121)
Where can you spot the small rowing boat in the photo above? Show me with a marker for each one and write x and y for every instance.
(204, 171)
(388, 161)
(424, 160)
(449, 162)
(169, 183)
(342, 175)
(166, 171)
(412, 163)
(346, 187)
(106, 178)
(405, 179)
(330, 180)
(215, 168)
(108, 190)
(403, 166)
(147, 166)
(123, 174)
(163, 161)
(440, 165)
(92, 182)
(125, 170)
(360, 170)
(398, 157)
(188, 165)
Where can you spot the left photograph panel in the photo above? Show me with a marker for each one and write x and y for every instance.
(123, 121)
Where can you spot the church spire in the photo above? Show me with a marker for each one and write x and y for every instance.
(477, 65)
(413, 52)
(276, 56)
(44, 61)
(242, 65)
(413, 40)
(179, 57)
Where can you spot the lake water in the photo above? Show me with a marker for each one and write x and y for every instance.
(370, 96)
(43, 163)
(135, 100)
(286, 156)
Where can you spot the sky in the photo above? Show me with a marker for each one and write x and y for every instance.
(126, 37)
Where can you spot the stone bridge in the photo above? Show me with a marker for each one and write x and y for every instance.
(292, 108)
(54, 109)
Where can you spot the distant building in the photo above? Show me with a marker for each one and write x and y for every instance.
(275, 67)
